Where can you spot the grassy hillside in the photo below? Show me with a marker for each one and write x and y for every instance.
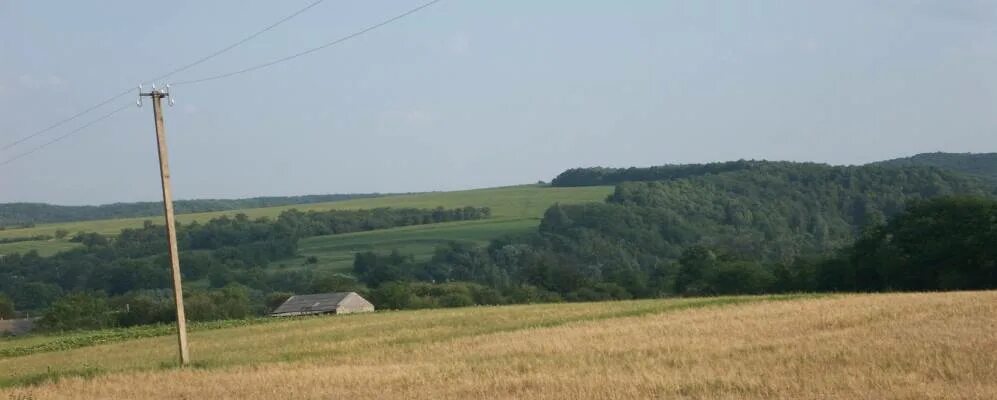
(513, 208)
(937, 345)
(43, 247)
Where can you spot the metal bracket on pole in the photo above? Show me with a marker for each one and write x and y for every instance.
(170, 95)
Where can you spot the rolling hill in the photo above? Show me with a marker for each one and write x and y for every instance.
(517, 206)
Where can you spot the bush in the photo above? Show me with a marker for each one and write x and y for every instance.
(456, 300)
(527, 294)
(230, 302)
(144, 309)
(488, 296)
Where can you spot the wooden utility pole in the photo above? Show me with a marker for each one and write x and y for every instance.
(171, 231)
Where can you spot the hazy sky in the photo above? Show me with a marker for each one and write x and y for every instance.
(483, 93)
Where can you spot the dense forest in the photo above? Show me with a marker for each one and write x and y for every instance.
(27, 214)
(772, 212)
(939, 244)
(982, 165)
(769, 229)
(599, 176)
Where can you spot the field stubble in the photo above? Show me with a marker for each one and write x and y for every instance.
(855, 346)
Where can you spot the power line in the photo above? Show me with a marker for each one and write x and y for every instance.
(210, 78)
(311, 50)
(53, 141)
(237, 44)
(164, 76)
(63, 121)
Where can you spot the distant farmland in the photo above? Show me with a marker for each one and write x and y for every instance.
(938, 345)
(514, 209)
(335, 252)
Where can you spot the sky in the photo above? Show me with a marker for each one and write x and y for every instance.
(470, 94)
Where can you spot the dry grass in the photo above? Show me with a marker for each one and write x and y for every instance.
(861, 346)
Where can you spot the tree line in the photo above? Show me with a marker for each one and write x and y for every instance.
(230, 253)
(602, 176)
(980, 165)
(768, 229)
(14, 215)
(938, 244)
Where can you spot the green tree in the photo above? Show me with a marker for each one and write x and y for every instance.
(697, 267)
(143, 309)
(329, 282)
(35, 295)
(78, 311)
(275, 299)
(233, 302)
(230, 302)
(393, 295)
(939, 244)
(6, 307)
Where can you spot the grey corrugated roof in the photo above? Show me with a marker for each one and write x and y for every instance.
(311, 303)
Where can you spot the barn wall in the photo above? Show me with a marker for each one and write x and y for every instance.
(16, 326)
(354, 304)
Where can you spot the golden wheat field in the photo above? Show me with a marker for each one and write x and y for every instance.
(901, 346)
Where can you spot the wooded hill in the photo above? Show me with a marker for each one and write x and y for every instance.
(980, 165)
(772, 211)
(770, 228)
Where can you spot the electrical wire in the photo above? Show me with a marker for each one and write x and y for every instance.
(206, 79)
(64, 121)
(60, 138)
(239, 43)
(164, 76)
(311, 50)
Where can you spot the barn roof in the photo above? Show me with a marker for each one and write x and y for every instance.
(312, 303)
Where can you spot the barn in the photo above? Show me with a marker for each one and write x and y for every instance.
(324, 303)
(16, 326)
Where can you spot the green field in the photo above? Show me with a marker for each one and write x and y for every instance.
(43, 247)
(335, 252)
(515, 209)
(902, 345)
